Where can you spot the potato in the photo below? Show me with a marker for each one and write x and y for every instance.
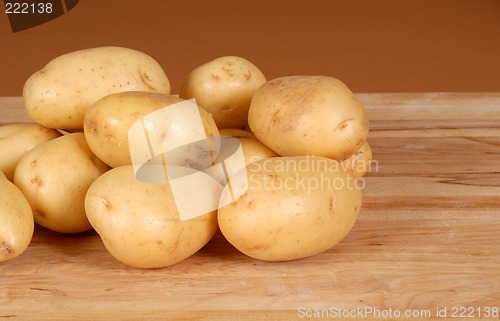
(224, 87)
(254, 150)
(235, 154)
(139, 222)
(308, 115)
(17, 139)
(293, 207)
(16, 220)
(55, 177)
(108, 121)
(360, 162)
(58, 95)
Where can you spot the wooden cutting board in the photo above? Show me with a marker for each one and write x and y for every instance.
(426, 243)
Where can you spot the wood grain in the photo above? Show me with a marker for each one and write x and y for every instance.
(427, 238)
(12, 110)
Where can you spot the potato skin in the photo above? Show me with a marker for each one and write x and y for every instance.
(308, 115)
(17, 139)
(55, 177)
(360, 162)
(139, 223)
(254, 150)
(16, 221)
(58, 95)
(224, 87)
(107, 123)
(294, 207)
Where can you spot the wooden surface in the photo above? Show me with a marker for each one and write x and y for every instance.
(427, 239)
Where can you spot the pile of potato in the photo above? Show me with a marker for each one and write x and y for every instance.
(303, 140)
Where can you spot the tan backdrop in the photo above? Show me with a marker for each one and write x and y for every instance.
(373, 46)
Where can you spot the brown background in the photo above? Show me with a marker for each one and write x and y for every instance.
(373, 46)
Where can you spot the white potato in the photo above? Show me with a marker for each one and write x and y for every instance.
(139, 222)
(58, 95)
(254, 150)
(17, 139)
(308, 115)
(169, 120)
(16, 221)
(224, 87)
(54, 177)
(292, 207)
(360, 162)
